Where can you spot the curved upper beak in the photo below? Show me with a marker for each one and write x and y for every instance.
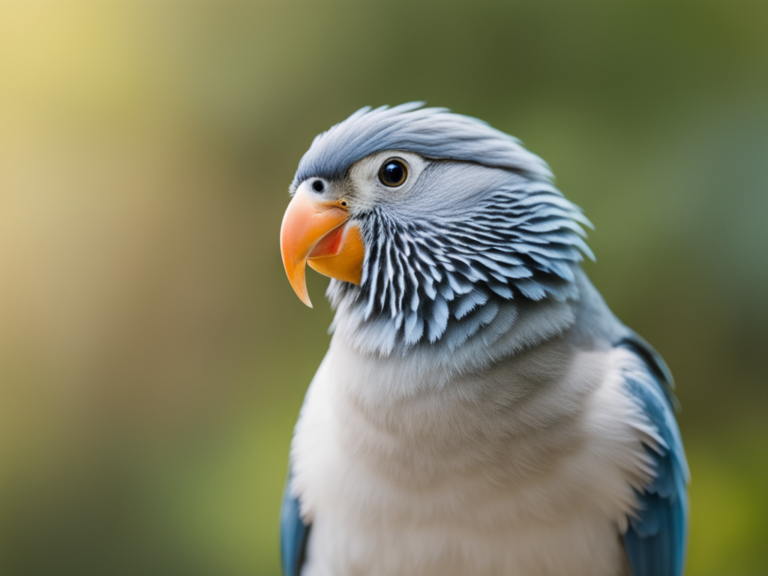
(316, 231)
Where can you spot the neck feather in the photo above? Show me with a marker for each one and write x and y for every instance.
(464, 277)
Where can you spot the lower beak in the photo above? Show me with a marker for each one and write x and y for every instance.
(318, 232)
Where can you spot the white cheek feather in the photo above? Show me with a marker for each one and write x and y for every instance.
(525, 468)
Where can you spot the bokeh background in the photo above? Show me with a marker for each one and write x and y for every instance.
(153, 357)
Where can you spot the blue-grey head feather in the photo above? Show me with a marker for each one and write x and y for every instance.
(431, 132)
(484, 230)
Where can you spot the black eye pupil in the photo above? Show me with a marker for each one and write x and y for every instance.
(393, 173)
(318, 186)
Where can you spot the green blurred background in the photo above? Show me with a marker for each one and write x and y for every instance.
(153, 357)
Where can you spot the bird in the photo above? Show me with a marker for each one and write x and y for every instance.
(480, 409)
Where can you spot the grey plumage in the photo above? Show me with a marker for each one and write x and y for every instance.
(431, 132)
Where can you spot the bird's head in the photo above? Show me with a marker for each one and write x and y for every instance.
(428, 222)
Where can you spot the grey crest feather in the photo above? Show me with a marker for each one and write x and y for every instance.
(431, 132)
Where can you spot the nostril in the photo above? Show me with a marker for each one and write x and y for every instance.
(318, 186)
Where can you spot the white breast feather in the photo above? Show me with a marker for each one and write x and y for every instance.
(525, 469)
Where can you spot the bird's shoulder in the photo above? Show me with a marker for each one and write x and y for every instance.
(656, 537)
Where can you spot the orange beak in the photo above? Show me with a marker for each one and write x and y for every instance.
(318, 233)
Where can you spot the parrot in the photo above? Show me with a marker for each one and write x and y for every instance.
(480, 409)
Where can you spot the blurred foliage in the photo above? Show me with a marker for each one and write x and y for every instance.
(152, 355)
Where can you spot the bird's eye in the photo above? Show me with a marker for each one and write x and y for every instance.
(318, 186)
(393, 172)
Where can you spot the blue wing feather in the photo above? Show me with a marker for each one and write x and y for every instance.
(293, 533)
(656, 538)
